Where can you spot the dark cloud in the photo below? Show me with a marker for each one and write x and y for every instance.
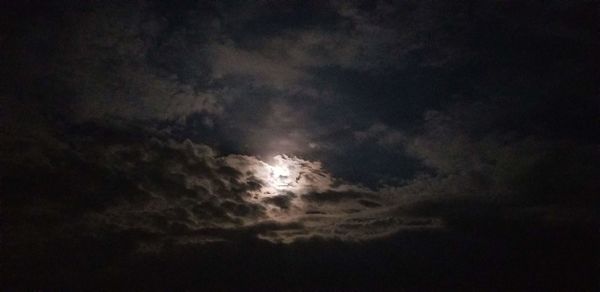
(368, 203)
(333, 196)
(422, 145)
(482, 173)
(139, 180)
(281, 201)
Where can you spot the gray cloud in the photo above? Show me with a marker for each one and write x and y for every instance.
(141, 181)
(191, 190)
(105, 62)
(479, 173)
(281, 201)
(209, 69)
(294, 143)
(382, 135)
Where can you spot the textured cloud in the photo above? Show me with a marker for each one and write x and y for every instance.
(192, 194)
(187, 192)
(382, 135)
(262, 70)
(355, 39)
(111, 60)
(266, 96)
(479, 174)
(280, 141)
(189, 188)
(106, 65)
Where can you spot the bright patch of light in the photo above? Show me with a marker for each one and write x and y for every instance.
(285, 173)
(280, 176)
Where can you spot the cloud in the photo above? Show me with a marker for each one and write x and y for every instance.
(190, 193)
(392, 34)
(333, 196)
(264, 71)
(166, 185)
(285, 61)
(143, 143)
(141, 181)
(480, 173)
(354, 39)
(382, 135)
(104, 63)
(281, 201)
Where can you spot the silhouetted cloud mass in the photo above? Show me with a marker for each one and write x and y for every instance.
(299, 145)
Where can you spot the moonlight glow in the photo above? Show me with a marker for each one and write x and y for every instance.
(283, 174)
(280, 175)
(289, 173)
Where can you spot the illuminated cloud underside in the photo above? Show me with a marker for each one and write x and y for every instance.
(289, 199)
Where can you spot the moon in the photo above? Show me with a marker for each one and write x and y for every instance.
(282, 174)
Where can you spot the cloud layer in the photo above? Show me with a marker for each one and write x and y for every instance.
(419, 139)
(184, 191)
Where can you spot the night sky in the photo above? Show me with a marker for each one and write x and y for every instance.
(300, 145)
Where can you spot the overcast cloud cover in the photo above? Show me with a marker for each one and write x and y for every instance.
(371, 145)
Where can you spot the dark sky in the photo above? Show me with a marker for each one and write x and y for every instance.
(300, 145)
